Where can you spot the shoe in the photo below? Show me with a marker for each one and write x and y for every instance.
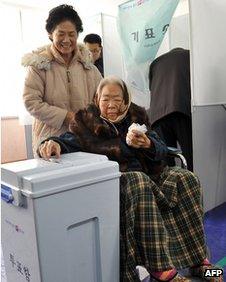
(200, 270)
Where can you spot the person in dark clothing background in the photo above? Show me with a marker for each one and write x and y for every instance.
(94, 44)
(170, 109)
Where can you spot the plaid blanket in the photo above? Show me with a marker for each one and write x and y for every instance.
(161, 221)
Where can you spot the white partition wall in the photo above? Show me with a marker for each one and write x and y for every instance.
(113, 61)
(208, 66)
(179, 32)
(105, 26)
(209, 147)
(208, 39)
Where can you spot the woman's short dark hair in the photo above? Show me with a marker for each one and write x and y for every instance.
(60, 14)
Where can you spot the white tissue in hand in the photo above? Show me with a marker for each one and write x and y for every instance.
(142, 128)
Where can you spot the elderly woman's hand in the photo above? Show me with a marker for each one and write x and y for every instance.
(48, 149)
(138, 139)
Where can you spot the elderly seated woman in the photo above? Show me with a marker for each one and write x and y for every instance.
(160, 207)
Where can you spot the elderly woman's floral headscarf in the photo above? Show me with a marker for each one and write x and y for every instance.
(126, 95)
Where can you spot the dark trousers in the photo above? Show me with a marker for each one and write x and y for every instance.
(173, 128)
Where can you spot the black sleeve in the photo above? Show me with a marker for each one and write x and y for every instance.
(158, 150)
(68, 142)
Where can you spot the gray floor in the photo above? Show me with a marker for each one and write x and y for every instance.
(186, 274)
(182, 272)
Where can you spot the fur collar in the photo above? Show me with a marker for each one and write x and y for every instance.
(42, 57)
(90, 119)
(96, 135)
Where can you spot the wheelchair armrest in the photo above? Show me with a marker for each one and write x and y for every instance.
(177, 153)
(172, 151)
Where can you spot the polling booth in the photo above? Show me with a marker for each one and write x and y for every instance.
(60, 220)
(191, 28)
(208, 69)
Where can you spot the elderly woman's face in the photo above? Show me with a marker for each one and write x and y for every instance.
(64, 37)
(111, 101)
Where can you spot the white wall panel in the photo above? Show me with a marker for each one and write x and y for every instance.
(179, 32)
(113, 61)
(208, 69)
(209, 147)
(208, 40)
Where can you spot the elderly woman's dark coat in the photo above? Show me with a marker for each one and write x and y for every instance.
(161, 216)
(93, 134)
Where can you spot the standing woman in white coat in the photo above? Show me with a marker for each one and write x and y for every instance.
(60, 78)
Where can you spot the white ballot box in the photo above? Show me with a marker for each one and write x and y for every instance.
(60, 220)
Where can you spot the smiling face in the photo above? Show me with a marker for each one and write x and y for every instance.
(111, 101)
(64, 39)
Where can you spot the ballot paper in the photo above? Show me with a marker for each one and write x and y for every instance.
(135, 126)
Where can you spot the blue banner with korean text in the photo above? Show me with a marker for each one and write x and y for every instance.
(142, 25)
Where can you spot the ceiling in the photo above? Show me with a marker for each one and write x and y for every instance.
(84, 7)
